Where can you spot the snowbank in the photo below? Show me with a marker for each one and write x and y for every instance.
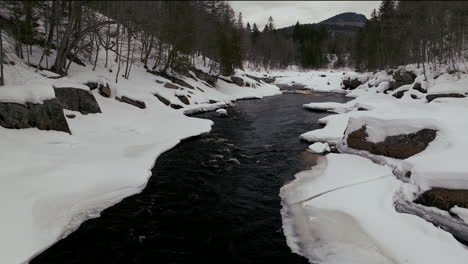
(342, 211)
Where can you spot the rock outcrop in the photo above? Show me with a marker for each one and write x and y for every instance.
(398, 146)
(431, 97)
(77, 99)
(46, 116)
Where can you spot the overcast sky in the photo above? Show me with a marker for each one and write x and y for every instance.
(286, 13)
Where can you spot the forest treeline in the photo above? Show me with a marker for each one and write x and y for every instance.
(419, 32)
(167, 35)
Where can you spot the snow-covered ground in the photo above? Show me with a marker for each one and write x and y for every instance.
(52, 181)
(317, 81)
(342, 210)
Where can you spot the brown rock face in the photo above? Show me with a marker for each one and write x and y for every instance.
(131, 101)
(105, 90)
(171, 86)
(444, 198)
(399, 146)
(162, 99)
(431, 97)
(183, 99)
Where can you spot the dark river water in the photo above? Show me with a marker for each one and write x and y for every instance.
(211, 199)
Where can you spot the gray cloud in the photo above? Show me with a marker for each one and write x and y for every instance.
(286, 13)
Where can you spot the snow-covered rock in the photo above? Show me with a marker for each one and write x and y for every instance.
(319, 147)
(222, 112)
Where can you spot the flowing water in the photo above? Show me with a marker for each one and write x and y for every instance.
(211, 199)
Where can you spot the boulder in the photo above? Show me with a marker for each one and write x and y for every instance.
(131, 101)
(238, 81)
(46, 116)
(351, 84)
(162, 99)
(443, 199)
(71, 116)
(77, 99)
(431, 97)
(403, 77)
(398, 146)
(171, 86)
(183, 99)
(417, 86)
(399, 94)
(323, 75)
(105, 90)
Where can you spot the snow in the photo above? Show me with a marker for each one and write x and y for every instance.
(221, 111)
(460, 212)
(319, 147)
(332, 106)
(35, 91)
(342, 212)
(64, 83)
(312, 80)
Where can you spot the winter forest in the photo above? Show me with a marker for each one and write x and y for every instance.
(233, 132)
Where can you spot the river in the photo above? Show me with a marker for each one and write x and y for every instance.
(211, 199)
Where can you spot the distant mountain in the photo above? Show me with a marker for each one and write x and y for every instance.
(346, 19)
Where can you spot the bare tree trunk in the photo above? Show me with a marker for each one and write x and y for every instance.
(129, 43)
(148, 51)
(97, 54)
(2, 78)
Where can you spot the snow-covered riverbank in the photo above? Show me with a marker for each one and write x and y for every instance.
(343, 210)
